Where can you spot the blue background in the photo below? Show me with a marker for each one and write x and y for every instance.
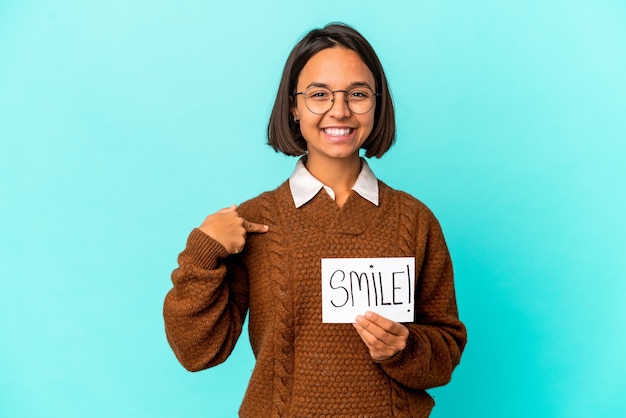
(123, 124)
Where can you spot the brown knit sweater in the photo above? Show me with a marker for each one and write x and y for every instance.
(306, 368)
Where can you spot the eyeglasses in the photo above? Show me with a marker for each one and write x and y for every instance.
(320, 100)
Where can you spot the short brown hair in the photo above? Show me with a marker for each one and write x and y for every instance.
(283, 133)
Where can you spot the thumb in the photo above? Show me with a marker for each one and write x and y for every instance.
(231, 208)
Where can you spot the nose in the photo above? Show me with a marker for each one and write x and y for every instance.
(339, 107)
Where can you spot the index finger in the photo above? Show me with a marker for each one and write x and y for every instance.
(386, 324)
(254, 227)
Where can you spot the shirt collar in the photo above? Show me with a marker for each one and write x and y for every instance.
(304, 186)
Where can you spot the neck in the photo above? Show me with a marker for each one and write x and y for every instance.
(338, 174)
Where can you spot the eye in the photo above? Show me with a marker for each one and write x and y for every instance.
(359, 94)
(318, 94)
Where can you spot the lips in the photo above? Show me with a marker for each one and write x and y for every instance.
(338, 131)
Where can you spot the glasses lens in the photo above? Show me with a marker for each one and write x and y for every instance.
(360, 100)
(320, 100)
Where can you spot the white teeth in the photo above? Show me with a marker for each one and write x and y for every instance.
(338, 131)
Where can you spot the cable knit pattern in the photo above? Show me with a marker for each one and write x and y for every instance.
(305, 368)
(283, 331)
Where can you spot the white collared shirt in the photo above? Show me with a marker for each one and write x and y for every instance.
(304, 186)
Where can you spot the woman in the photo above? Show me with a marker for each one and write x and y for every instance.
(264, 256)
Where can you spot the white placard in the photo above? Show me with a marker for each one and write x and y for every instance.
(352, 286)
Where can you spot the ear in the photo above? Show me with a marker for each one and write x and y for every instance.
(294, 112)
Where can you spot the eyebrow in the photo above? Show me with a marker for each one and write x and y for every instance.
(351, 86)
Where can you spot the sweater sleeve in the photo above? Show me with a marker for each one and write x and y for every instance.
(206, 307)
(437, 337)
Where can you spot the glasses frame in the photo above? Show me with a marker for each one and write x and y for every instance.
(332, 101)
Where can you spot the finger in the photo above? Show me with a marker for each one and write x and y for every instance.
(254, 227)
(231, 208)
(379, 350)
(367, 338)
(385, 324)
(366, 335)
(372, 329)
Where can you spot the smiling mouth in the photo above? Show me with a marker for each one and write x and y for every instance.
(338, 131)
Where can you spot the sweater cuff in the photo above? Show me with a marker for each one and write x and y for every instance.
(203, 251)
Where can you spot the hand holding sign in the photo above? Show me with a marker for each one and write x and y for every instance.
(383, 337)
(374, 292)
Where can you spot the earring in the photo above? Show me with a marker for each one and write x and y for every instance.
(296, 120)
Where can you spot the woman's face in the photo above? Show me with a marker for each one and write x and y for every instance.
(338, 133)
